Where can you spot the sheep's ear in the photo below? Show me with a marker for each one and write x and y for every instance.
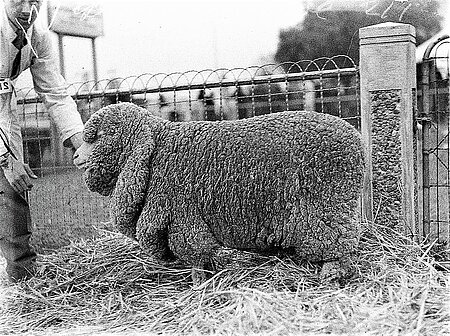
(93, 124)
(129, 194)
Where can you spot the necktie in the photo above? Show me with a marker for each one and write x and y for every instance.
(19, 42)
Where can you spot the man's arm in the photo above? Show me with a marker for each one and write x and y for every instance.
(52, 88)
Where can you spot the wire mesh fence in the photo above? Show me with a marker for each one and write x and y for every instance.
(63, 208)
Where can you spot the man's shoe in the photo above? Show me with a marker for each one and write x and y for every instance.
(20, 257)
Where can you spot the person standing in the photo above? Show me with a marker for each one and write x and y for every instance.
(25, 45)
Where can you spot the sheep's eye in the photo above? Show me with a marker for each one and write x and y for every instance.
(99, 134)
(91, 138)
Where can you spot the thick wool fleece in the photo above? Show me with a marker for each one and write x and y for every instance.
(283, 181)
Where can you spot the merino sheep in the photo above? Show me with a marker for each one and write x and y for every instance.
(199, 191)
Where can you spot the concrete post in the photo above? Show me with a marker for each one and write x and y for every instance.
(388, 91)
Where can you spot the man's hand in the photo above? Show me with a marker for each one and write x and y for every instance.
(77, 140)
(18, 175)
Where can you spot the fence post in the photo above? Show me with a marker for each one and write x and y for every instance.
(388, 91)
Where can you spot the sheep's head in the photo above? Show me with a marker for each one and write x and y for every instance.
(109, 137)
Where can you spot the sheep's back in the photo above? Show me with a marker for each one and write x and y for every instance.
(245, 176)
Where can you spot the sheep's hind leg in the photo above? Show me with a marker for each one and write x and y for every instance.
(337, 271)
(329, 238)
(330, 272)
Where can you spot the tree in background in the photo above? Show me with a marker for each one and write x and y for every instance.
(333, 32)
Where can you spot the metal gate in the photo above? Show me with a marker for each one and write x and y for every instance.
(433, 146)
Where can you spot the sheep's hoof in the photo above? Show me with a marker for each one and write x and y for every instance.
(198, 276)
(330, 272)
(229, 258)
(171, 263)
(163, 258)
(335, 272)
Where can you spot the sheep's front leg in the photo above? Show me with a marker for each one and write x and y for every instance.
(192, 241)
(230, 258)
(152, 233)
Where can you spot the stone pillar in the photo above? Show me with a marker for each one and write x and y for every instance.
(388, 90)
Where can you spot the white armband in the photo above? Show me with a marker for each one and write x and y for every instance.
(5, 85)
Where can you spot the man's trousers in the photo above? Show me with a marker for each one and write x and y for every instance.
(15, 232)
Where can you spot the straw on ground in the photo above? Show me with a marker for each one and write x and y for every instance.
(108, 284)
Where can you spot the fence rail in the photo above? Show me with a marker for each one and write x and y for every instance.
(257, 80)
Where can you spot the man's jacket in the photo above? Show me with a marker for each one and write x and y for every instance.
(39, 56)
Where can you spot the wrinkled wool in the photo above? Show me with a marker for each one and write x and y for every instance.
(283, 181)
